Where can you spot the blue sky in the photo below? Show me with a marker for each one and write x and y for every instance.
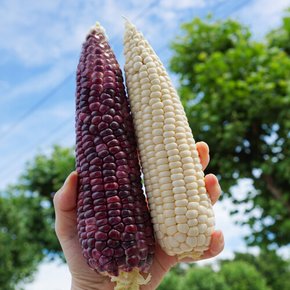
(40, 45)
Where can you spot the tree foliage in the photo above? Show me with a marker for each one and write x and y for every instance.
(236, 93)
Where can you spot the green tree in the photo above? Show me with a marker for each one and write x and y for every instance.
(240, 275)
(170, 282)
(27, 217)
(203, 278)
(236, 93)
(275, 269)
(23, 232)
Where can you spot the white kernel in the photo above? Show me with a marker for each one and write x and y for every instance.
(153, 76)
(180, 136)
(201, 240)
(180, 237)
(176, 171)
(177, 176)
(183, 228)
(173, 242)
(187, 160)
(162, 228)
(165, 186)
(146, 86)
(174, 158)
(164, 174)
(193, 232)
(170, 221)
(192, 222)
(169, 146)
(159, 235)
(163, 167)
(148, 59)
(155, 88)
(161, 154)
(182, 202)
(157, 124)
(168, 109)
(193, 205)
(184, 247)
(191, 186)
(171, 230)
(165, 180)
(159, 147)
(189, 179)
(152, 70)
(185, 154)
(168, 134)
(192, 214)
(180, 210)
(168, 199)
(158, 118)
(176, 164)
(168, 114)
(202, 219)
(181, 219)
(170, 121)
(179, 190)
(158, 201)
(180, 196)
(157, 112)
(188, 166)
(161, 161)
(155, 95)
(150, 64)
(143, 74)
(145, 94)
(173, 152)
(183, 147)
(202, 228)
(166, 193)
(191, 241)
(157, 139)
(169, 127)
(157, 105)
(156, 132)
(168, 213)
(168, 205)
(178, 183)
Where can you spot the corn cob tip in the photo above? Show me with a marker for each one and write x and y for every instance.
(97, 28)
(130, 280)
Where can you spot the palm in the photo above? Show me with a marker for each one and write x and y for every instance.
(66, 229)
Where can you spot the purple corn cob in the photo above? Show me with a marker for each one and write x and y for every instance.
(114, 224)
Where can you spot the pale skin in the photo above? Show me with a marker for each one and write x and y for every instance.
(83, 278)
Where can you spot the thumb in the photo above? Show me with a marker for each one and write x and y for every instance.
(65, 201)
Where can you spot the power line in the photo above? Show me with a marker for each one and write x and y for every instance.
(35, 107)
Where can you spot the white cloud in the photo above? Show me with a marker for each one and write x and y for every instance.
(182, 4)
(263, 15)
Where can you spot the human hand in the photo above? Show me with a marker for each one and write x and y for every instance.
(83, 278)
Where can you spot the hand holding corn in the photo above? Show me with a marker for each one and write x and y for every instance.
(66, 229)
(115, 135)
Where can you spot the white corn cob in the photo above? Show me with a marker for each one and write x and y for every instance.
(181, 210)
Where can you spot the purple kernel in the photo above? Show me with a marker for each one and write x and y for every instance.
(124, 181)
(113, 199)
(116, 205)
(93, 129)
(108, 138)
(114, 220)
(98, 140)
(119, 227)
(104, 260)
(101, 147)
(113, 243)
(109, 166)
(110, 193)
(101, 215)
(109, 159)
(107, 118)
(114, 212)
(94, 106)
(133, 261)
(96, 120)
(109, 102)
(127, 212)
(131, 228)
(103, 109)
(104, 228)
(115, 149)
(100, 207)
(110, 179)
(90, 221)
(119, 132)
(122, 161)
(96, 254)
(111, 112)
(106, 132)
(100, 236)
(99, 201)
(102, 126)
(91, 243)
(98, 194)
(111, 186)
(102, 222)
(89, 213)
(96, 161)
(108, 252)
(123, 167)
(114, 125)
(104, 96)
(98, 187)
(128, 237)
(132, 251)
(113, 142)
(129, 220)
(119, 252)
(90, 228)
(114, 234)
(103, 153)
(121, 174)
(109, 173)
(118, 119)
(96, 174)
(120, 155)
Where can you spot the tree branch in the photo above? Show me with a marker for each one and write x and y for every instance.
(276, 192)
